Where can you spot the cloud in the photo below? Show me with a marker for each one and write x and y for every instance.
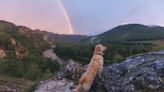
(137, 10)
(124, 23)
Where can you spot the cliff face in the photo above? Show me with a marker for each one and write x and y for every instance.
(140, 73)
(2, 53)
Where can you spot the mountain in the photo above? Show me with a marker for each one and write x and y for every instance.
(16, 39)
(29, 37)
(50, 37)
(24, 41)
(131, 32)
(63, 38)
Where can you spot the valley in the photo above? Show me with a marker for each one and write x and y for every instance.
(31, 56)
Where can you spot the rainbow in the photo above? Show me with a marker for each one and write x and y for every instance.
(66, 16)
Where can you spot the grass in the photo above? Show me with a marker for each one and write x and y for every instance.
(160, 44)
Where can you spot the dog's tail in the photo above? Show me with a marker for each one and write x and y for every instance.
(79, 88)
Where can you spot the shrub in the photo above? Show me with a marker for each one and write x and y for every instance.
(33, 72)
(28, 68)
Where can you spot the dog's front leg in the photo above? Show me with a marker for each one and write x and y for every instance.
(99, 72)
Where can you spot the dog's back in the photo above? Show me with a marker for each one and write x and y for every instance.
(93, 69)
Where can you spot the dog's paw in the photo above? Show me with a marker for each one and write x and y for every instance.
(74, 90)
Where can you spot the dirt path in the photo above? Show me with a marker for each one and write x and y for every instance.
(50, 54)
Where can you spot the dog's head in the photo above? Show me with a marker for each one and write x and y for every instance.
(99, 49)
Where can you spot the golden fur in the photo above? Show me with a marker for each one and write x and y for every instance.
(94, 68)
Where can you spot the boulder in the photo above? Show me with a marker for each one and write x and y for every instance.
(55, 85)
(140, 73)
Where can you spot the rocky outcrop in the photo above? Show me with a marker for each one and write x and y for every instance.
(67, 80)
(2, 53)
(140, 73)
(19, 49)
(55, 85)
(62, 81)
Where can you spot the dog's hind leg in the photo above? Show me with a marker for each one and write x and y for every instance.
(79, 88)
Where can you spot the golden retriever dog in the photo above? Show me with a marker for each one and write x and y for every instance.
(95, 67)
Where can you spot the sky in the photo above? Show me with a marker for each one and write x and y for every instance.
(86, 17)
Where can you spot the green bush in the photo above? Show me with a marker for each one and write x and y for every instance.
(12, 68)
(28, 68)
(33, 72)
